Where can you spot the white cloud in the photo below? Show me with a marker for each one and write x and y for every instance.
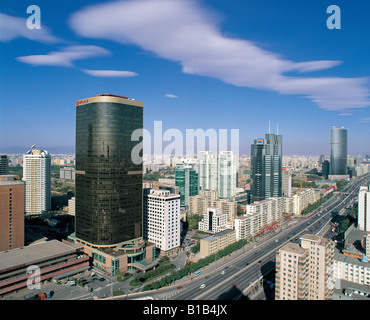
(186, 33)
(64, 57)
(310, 66)
(110, 73)
(170, 95)
(345, 114)
(364, 120)
(15, 27)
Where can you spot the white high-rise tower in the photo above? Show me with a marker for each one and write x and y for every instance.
(226, 175)
(217, 172)
(363, 215)
(37, 178)
(161, 218)
(207, 170)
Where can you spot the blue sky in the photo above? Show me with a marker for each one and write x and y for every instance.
(194, 63)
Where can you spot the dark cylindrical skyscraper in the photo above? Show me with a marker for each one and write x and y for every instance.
(338, 151)
(108, 182)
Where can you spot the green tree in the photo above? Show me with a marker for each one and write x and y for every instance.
(195, 249)
(193, 221)
(344, 225)
(341, 184)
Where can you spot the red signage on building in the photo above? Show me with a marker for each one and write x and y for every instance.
(81, 102)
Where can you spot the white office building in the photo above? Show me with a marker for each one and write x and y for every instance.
(227, 175)
(37, 179)
(214, 221)
(161, 218)
(286, 183)
(364, 209)
(72, 206)
(218, 172)
(207, 170)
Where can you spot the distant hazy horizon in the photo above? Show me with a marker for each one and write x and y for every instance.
(69, 150)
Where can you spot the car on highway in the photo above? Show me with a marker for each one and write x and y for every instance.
(202, 286)
(179, 287)
(222, 272)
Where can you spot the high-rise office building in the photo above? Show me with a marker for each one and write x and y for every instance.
(338, 151)
(4, 164)
(305, 272)
(11, 213)
(186, 178)
(207, 170)
(37, 179)
(286, 183)
(161, 218)
(325, 169)
(227, 175)
(363, 216)
(218, 172)
(109, 193)
(321, 159)
(266, 167)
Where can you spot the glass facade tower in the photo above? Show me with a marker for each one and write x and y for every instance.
(186, 178)
(266, 167)
(108, 182)
(338, 151)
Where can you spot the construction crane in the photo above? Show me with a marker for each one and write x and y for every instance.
(301, 180)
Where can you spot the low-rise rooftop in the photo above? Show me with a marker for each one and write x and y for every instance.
(293, 248)
(31, 254)
(218, 235)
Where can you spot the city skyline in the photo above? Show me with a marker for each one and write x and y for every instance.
(235, 66)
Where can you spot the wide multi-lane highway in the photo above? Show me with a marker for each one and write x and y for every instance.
(228, 277)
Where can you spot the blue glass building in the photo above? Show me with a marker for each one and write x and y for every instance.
(338, 151)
